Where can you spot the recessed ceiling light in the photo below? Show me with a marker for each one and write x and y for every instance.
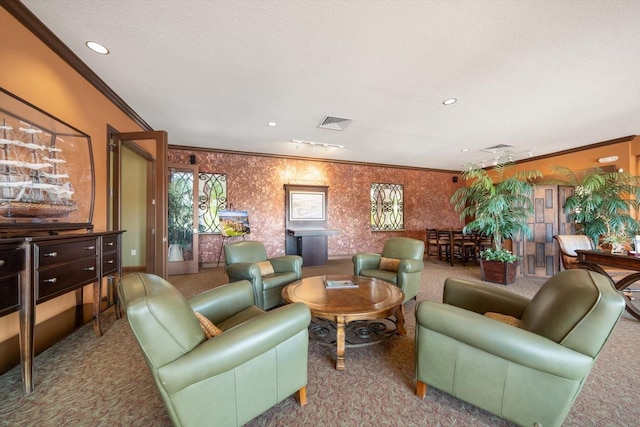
(98, 48)
(464, 150)
(272, 124)
(449, 101)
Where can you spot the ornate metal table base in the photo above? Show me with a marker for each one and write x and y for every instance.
(592, 260)
(358, 333)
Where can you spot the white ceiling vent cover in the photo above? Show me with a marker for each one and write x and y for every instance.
(496, 148)
(334, 123)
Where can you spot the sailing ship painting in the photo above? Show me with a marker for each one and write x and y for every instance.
(34, 181)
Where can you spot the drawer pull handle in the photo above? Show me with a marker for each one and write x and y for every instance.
(89, 268)
(89, 248)
(51, 254)
(109, 243)
(109, 261)
(1, 262)
(52, 280)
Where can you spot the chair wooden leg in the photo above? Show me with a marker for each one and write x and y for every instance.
(421, 389)
(301, 396)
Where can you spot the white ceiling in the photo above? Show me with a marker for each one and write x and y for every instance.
(537, 75)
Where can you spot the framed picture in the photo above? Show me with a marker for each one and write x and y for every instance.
(306, 206)
(234, 223)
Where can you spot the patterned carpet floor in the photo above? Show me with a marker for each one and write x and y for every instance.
(88, 381)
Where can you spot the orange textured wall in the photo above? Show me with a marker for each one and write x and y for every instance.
(256, 184)
(627, 153)
(30, 70)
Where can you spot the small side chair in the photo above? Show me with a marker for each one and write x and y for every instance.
(401, 263)
(247, 260)
(568, 244)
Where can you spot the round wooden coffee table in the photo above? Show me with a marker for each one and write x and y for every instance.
(372, 299)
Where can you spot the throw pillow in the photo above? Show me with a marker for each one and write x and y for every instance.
(210, 330)
(504, 318)
(389, 264)
(265, 268)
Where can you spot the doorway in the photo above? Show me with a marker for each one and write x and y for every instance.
(146, 211)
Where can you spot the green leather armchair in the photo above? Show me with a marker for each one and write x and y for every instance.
(531, 374)
(258, 360)
(410, 253)
(241, 260)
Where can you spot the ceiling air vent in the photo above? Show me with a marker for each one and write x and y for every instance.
(334, 123)
(497, 148)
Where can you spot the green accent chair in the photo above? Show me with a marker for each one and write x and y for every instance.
(410, 252)
(531, 374)
(241, 260)
(258, 360)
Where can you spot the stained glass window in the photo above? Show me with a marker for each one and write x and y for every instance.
(212, 198)
(387, 207)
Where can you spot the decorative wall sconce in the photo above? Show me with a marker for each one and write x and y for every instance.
(315, 145)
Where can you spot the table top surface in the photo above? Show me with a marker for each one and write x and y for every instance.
(626, 261)
(372, 297)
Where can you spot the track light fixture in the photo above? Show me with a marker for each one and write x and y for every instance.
(313, 145)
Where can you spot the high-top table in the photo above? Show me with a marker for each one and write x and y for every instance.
(594, 260)
(371, 299)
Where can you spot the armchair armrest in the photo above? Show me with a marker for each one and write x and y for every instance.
(365, 261)
(410, 266)
(508, 342)
(286, 263)
(235, 346)
(480, 297)
(223, 301)
(243, 271)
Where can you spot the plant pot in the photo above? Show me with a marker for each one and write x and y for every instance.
(617, 248)
(175, 252)
(500, 272)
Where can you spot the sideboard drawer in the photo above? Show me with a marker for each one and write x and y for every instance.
(11, 261)
(109, 243)
(58, 280)
(109, 263)
(54, 253)
(9, 295)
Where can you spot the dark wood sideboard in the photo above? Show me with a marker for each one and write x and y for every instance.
(39, 268)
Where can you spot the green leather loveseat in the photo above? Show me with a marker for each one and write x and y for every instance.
(258, 360)
(530, 374)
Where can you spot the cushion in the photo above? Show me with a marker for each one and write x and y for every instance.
(389, 264)
(504, 318)
(265, 268)
(210, 330)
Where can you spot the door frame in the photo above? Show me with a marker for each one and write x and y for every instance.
(157, 194)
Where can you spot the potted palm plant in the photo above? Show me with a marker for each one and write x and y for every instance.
(602, 204)
(498, 206)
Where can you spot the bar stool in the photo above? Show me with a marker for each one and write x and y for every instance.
(464, 246)
(433, 248)
(445, 250)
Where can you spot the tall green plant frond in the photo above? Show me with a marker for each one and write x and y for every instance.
(603, 203)
(496, 204)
